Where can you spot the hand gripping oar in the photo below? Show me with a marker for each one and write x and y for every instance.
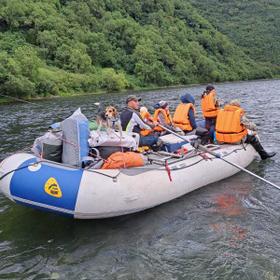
(202, 148)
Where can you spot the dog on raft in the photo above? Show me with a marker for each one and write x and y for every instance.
(108, 118)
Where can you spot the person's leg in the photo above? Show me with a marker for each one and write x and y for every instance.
(254, 141)
(208, 123)
(212, 134)
(149, 140)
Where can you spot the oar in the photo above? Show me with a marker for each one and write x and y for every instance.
(202, 148)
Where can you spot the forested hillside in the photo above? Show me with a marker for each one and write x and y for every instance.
(65, 46)
(254, 25)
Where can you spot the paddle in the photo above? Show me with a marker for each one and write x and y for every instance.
(202, 148)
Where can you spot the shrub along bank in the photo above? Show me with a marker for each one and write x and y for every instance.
(54, 47)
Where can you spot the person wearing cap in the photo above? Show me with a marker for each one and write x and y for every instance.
(209, 106)
(184, 116)
(162, 116)
(131, 121)
(233, 127)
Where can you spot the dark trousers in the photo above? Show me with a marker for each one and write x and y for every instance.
(210, 124)
(148, 140)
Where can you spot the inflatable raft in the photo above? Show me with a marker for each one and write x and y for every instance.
(96, 193)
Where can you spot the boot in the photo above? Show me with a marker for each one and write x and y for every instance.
(259, 148)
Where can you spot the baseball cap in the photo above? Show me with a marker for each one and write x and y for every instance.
(132, 97)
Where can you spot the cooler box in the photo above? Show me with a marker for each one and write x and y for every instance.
(172, 143)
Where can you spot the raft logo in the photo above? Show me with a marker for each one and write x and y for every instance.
(52, 188)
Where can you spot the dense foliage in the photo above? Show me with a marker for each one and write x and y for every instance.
(253, 25)
(61, 46)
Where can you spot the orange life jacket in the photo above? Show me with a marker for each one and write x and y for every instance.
(181, 116)
(228, 125)
(208, 105)
(146, 116)
(167, 118)
(123, 160)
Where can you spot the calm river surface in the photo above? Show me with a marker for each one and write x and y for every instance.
(226, 230)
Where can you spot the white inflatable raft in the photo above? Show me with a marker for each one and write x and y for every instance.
(91, 194)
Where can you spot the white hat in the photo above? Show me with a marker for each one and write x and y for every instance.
(143, 109)
(235, 102)
(163, 103)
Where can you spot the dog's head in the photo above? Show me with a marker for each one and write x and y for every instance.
(111, 112)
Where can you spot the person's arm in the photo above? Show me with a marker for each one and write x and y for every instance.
(216, 101)
(162, 121)
(248, 124)
(192, 118)
(149, 122)
(140, 122)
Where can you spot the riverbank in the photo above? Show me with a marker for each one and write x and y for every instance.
(11, 99)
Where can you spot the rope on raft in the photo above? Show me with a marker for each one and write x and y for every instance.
(114, 178)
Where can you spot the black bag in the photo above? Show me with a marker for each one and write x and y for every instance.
(52, 152)
(203, 135)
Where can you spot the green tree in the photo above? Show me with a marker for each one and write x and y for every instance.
(68, 46)
(73, 59)
(113, 81)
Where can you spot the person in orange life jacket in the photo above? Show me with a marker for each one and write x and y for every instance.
(131, 121)
(146, 116)
(148, 119)
(209, 106)
(184, 116)
(233, 126)
(162, 116)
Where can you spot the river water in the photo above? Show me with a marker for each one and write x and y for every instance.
(226, 230)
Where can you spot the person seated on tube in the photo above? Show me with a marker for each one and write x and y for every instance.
(146, 116)
(132, 121)
(148, 119)
(233, 127)
(184, 116)
(162, 116)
